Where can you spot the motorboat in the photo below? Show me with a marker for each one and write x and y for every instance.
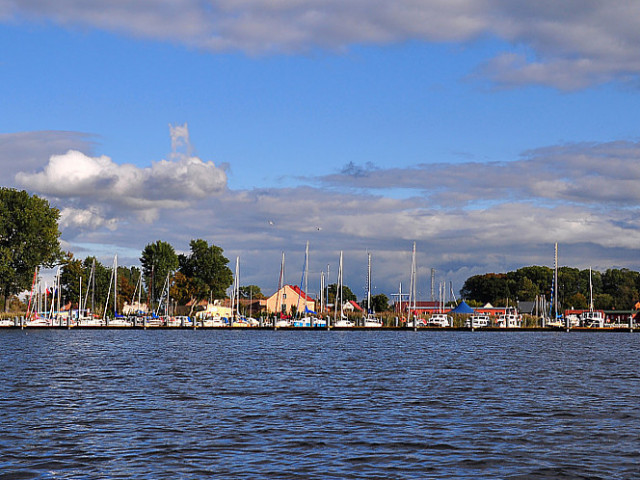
(509, 320)
(440, 320)
(478, 321)
(593, 319)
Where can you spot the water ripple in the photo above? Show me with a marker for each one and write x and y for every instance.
(318, 405)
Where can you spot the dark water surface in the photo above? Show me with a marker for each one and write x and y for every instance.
(318, 405)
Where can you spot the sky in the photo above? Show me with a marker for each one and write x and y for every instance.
(483, 130)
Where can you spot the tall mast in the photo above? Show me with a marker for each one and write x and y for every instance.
(321, 293)
(236, 291)
(306, 275)
(93, 285)
(277, 307)
(369, 283)
(341, 283)
(590, 292)
(115, 285)
(412, 285)
(555, 282)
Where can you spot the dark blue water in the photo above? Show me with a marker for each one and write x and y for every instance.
(318, 405)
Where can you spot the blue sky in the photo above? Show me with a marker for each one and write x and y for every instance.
(484, 130)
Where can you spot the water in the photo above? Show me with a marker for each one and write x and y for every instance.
(318, 405)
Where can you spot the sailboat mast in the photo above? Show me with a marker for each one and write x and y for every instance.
(590, 292)
(93, 285)
(341, 297)
(277, 308)
(236, 292)
(115, 286)
(306, 275)
(412, 285)
(369, 283)
(555, 282)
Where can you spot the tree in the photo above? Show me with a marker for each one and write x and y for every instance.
(578, 301)
(98, 288)
(183, 289)
(29, 237)
(251, 291)
(207, 266)
(380, 302)
(490, 287)
(70, 274)
(347, 294)
(158, 260)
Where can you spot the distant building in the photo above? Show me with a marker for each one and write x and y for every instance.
(351, 306)
(288, 299)
(135, 308)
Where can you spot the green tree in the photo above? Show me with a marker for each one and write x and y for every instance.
(183, 289)
(251, 291)
(380, 302)
(577, 301)
(527, 290)
(29, 237)
(71, 272)
(347, 294)
(207, 266)
(490, 287)
(158, 260)
(98, 287)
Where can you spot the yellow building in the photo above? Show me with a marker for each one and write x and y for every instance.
(215, 309)
(289, 298)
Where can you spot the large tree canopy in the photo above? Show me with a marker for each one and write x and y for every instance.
(158, 260)
(29, 237)
(207, 266)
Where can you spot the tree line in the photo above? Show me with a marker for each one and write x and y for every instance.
(614, 289)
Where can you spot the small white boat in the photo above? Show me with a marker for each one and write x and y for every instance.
(509, 320)
(593, 319)
(371, 321)
(119, 322)
(282, 322)
(303, 322)
(7, 322)
(440, 320)
(478, 321)
(39, 322)
(215, 321)
(319, 322)
(343, 322)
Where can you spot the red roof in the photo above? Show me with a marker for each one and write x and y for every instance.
(356, 306)
(303, 295)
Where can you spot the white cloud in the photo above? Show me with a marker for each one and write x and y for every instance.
(582, 173)
(569, 44)
(87, 185)
(30, 151)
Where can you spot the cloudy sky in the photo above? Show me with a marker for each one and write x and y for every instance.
(483, 130)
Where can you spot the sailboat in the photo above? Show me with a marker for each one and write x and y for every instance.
(279, 320)
(236, 319)
(33, 317)
(342, 321)
(117, 320)
(555, 321)
(412, 320)
(370, 321)
(592, 318)
(305, 316)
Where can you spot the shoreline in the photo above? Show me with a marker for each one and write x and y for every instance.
(340, 329)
